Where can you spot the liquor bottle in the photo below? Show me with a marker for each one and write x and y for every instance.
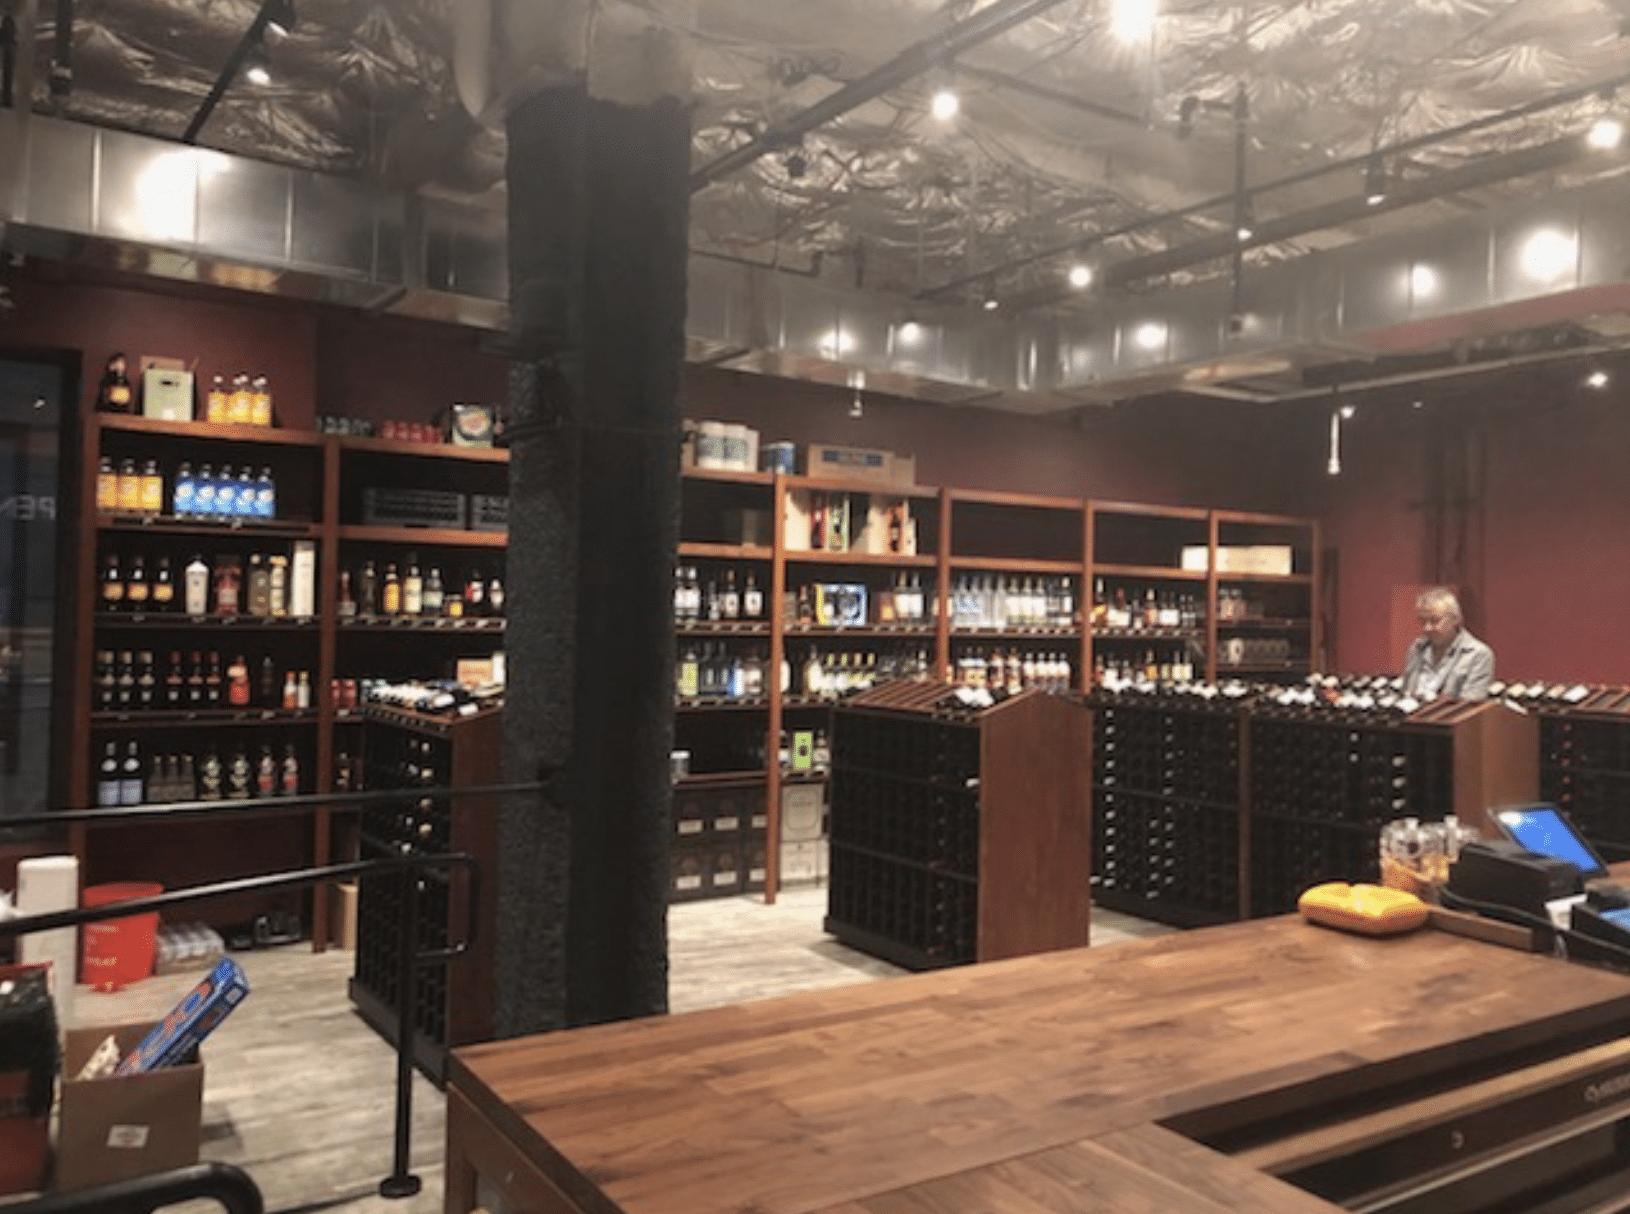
(130, 779)
(107, 486)
(124, 682)
(146, 680)
(239, 780)
(347, 603)
(163, 586)
(289, 785)
(152, 489)
(203, 492)
(237, 680)
(184, 493)
(245, 495)
(260, 402)
(106, 681)
(475, 596)
(115, 394)
(216, 407)
(752, 599)
(239, 409)
(368, 591)
(227, 579)
(269, 695)
(107, 777)
(730, 597)
(223, 492)
(302, 690)
(260, 587)
(197, 587)
(211, 777)
(195, 681)
(113, 584)
(689, 680)
(291, 692)
(186, 780)
(413, 588)
(435, 594)
(391, 597)
(137, 591)
(266, 772)
(453, 604)
(265, 495)
(213, 692)
(175, 684)
(344, 771)
(496, 598)
(278, 592)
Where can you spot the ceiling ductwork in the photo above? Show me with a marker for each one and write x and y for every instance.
(1416, 303)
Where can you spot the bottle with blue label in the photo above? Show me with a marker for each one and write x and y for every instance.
(203, 494)
(225, 498)
(183, 497)
(265, 495)
(244, 502)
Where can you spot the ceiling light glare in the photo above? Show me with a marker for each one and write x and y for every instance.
(257, 71)
(909, 334)
(1423, 281)
(1133, 20)
(1548, 255)
(944, 105)
(1419, 404)
(991, 304)
(1347, 411)
(1605, 134)
(1080, 276)
(837, 343)
(280, 17)
(1375, 181)
(1597, 380)
(1150, 335)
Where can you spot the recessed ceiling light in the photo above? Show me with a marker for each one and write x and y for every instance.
(1597, 379)
(1133, 20)
(1347, 411)
(1080, 276)
(1549, 254)
(991, 304)
(1606, 133)
(944, 105)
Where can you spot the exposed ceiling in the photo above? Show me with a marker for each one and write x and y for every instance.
(1085, 135)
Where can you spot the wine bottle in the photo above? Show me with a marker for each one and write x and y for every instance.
(107, 779)
(197, 588)
(113, 584)
(130, 777)
(163, 590)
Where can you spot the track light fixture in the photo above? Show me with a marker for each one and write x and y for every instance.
(797, 165)
(280, 17)
(1375, 180)
(248, 59)
(257, 66)
(944, 104)
(1244, 219)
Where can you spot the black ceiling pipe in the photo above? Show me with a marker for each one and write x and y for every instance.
(252, 37)
(991, 21)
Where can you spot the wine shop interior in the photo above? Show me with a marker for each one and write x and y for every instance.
(865, 607)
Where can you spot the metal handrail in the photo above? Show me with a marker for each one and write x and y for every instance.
(234, 1188)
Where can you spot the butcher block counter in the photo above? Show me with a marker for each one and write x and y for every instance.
(1160, 1077)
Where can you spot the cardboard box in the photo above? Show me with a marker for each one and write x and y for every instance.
(1275, 559)
(167, 394)
(878, 535)
(342, 915)
(804, 863)
(803, 812)
(849, 464)
(127, 1125)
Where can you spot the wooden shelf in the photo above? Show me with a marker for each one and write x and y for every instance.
(1261, 668)
(1031, 501)
(167, 525)
(811, 556)
(420, 625)
(962, 632)
(1165, 573)
(860, 487)
(266, 436)
(1148, 634)
(713, 779)
(171, 620)
(170, 718)
(1265, 625)
(1193, 514)
(423, 536)
(862, 631)
(1285, 579)
(729, 476)
(1008, 564)
(759, 705)
(724, 628)
(700, 550)
(393, 446)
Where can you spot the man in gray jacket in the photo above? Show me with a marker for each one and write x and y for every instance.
(1446, 660)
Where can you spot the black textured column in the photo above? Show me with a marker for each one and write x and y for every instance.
(598, 215)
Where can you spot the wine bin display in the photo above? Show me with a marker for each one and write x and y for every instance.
(236, 607)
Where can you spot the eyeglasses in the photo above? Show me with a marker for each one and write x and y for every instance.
(1433, 621)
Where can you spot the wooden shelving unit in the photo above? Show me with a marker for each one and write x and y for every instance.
(319, 480)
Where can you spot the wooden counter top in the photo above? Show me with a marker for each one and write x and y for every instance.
(1016, 1086)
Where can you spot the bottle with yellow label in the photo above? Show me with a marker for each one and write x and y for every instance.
(107, 486)
(152, 489)
(129, 487)
(239, 406)
(216, 407)
(260, 402)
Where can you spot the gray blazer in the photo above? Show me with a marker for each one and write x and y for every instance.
(1468, 667)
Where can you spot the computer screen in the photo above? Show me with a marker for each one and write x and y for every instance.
(1543, 829)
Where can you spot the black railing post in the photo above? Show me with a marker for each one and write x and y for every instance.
(402, 1182)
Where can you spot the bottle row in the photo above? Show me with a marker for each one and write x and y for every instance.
(247, 403)
(135, 681)
(711, 672)
(1175, 664)
(273, 585)
(1012, 602)
(1014, 671)
(243, 771)
(223, 493)
(717, 598)
(854, 604)
(1145, 608)
(415, 592)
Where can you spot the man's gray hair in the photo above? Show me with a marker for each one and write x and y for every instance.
(1440, 599)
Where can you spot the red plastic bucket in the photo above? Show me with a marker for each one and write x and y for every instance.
(117, 952)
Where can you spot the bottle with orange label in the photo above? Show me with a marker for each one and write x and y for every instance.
(240, 406)
(107, 486)
(216, 404)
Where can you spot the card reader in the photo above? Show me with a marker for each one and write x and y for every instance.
(1498, 873)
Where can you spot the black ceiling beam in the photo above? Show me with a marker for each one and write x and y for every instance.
(1041, 92)
(252, 37)
(989, 22)
(1221, 202)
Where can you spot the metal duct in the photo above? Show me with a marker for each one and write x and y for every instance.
(83, 193)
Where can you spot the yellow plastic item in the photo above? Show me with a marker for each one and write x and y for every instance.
(1370, 910)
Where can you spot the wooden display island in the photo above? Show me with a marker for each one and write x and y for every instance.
(1188, 1073)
